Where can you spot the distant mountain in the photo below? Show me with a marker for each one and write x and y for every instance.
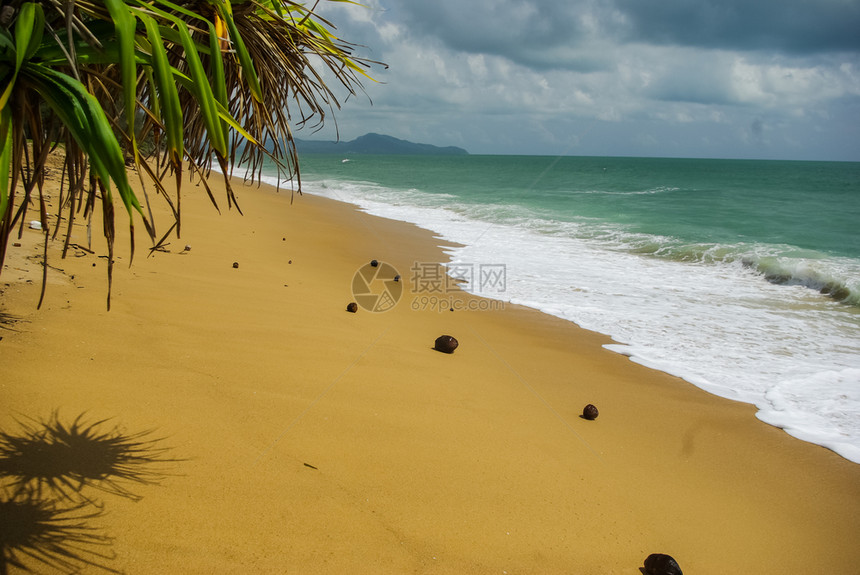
(375, 144)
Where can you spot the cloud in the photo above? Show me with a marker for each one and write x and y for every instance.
(609, 77)
(797, 26)
(542, 34)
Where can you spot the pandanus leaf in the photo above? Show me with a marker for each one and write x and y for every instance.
(125, 25)
(200, 88)
(202, 91)
(216, 65)
(167, 93)
(85, 120)
(29, 27)
(5, 158)
(225, 12)
(28, 31)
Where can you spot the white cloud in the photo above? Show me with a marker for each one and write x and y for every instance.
(520, 77)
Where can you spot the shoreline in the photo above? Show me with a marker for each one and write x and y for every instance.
(315, 440)
(800, 383)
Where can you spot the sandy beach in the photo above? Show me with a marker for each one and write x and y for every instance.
(300, 438)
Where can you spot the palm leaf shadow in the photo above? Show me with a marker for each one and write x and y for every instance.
(45, 467)
(39, 531)
(60, 460)
(7, 320)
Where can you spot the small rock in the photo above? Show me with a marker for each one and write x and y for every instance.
(589, 412)
(397, 278)
(35, 225)
(659, 564)
(446, 344)
(374, 263)
(235, 265)
(352, 308)
(187, 248)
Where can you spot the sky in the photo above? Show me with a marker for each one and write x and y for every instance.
(758, 79)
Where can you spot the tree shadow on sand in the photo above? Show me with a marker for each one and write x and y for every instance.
(47, 470)
(36, 533)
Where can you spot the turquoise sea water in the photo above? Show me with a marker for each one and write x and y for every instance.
(742, 277)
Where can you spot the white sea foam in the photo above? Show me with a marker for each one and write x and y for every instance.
(713, 321)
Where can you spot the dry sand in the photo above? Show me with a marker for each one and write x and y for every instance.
(312, 440)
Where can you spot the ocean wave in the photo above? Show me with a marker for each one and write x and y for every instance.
(834, 277)
(648, 192)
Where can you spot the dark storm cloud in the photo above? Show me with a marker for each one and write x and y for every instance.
(526, 31)
(540, 34)
(798, 26)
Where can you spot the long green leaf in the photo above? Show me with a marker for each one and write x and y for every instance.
(5, 158)
(228, 119)
(216, 66)
(24, 30)
(200, 88)
(124, 23)
(29, 16)
(225, 11)
(168, 95)
(82, 115)
(38, 29)
(202, 91)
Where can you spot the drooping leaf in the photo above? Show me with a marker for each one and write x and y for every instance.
(167, 93)
(82, 115)
(30, 16)
(125, 24)
(249, 72)
(5, 158)
(195, 71)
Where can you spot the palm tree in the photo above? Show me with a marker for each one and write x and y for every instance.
(158, 84)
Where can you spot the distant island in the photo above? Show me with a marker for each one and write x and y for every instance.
(376, 144)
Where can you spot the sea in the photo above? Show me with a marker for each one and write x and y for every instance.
(740, 276)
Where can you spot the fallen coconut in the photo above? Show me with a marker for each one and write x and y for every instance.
(235, 265)
(660, 564)
(446, 344)
(590, 412)
(373, 263)
(352, 307)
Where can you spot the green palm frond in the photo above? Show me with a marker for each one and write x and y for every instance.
(198, 80)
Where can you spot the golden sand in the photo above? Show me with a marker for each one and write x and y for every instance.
(311, 440)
